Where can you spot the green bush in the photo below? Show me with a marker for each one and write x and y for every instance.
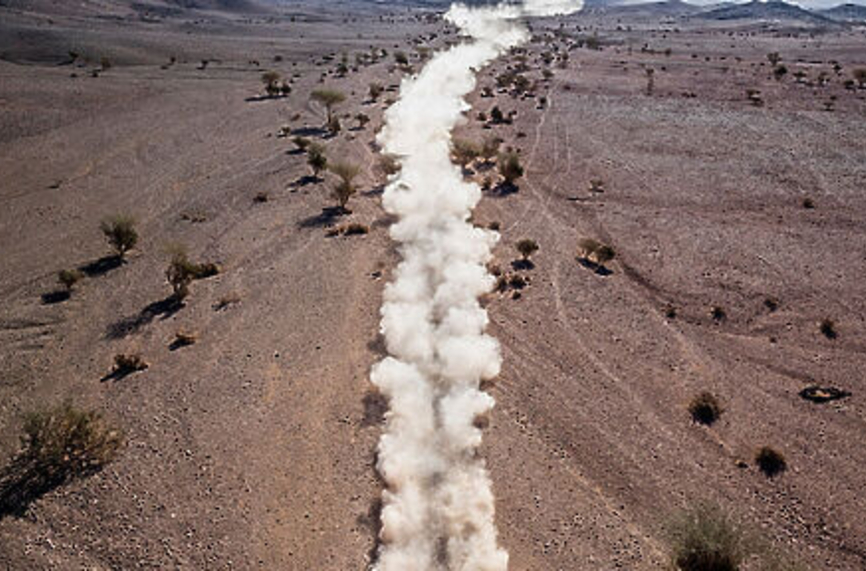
(120, 232)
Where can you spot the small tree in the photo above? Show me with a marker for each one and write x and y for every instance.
(316, 158)
(345, 188)
(526, 247)
(330, 98)
(68, 278)
(510, 167)
(271, 79)
(120, 232)
(376, 90)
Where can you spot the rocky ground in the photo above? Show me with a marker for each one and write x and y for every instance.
(254, 447)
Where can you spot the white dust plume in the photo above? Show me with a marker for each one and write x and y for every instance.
(438, 511)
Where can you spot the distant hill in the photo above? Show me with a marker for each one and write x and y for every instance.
(772, 10)
(846, 13)
(664, 9)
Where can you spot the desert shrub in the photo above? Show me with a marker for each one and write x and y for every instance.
(490, 148)
(105, 63)
(120, 232)
(517, 282)
(704, 538)
(376, 90)
(705, 408)
(302, 143)
(345, 188)
(808, 203)
(771, 303)
(180, 273)
(496, 115)
(128, 363)
(592, 250)
(464, 151)
(860, 76)
(718, 313)
(330, 98)
(356, 229)
(526, 247)
(774, 58)
(65, 442)
(362, 119)
(68, 278)
(596, 185)
(495, 226)
(227, 301)
(828, 329)
(401, 58)
(780, 71)
(271, 79)
(510, 167)
(388, 165)
(316, 158)
(770, 461)
(184, 339)
(261, 197)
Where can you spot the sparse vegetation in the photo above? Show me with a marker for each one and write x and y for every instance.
(316, 158)
(125, 364)
(704, 538)
(302, 143)
(181, 272)
(595, 252)
(526, 247)
(330, 98)
(510, 167)
(376, 90)
(463, 152)
(58, 445)
(271, 79)
(68, 278)
(345, 188)
(120, 232)
(770, 461)
(705, 408)
(828, 329)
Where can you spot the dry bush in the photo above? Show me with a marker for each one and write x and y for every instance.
(125, 363)
(388, 165)
(770, 461)
(376, 90)
(526, 247)
(120, 232)
(705, 408)
(316, 158)
(463, 151)
(510, 167)
(356, 229)
(226, 301)
(704, 538)
(261, 197)
(58, 445)
(334, 126)
(828, 329)
(184, 339)
(271, 80)
(594, 251)
(68, 278)
(301, 143)
(345, 188)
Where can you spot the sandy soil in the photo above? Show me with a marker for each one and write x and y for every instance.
(254, 448)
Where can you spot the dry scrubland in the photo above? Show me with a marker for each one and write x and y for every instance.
(698, 262)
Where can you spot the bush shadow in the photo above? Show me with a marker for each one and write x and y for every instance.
(127, 326)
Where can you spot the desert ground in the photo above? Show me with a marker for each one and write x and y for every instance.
(733, 198)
